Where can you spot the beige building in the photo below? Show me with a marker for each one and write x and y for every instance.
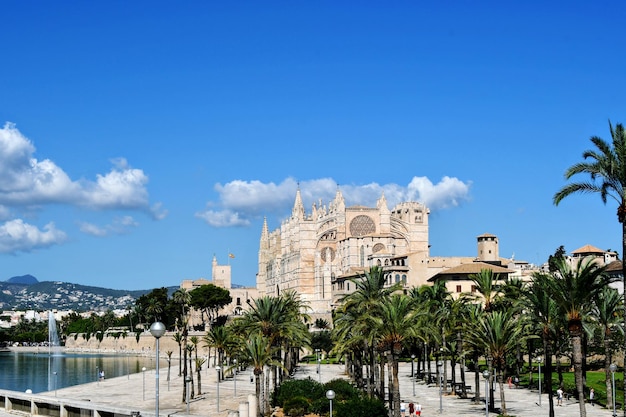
(221, 277)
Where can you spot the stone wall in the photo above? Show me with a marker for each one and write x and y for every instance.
(129, 344)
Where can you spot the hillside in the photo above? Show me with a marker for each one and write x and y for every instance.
(58, 295)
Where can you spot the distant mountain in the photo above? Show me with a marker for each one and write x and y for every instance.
(55, 295)
(24, 279)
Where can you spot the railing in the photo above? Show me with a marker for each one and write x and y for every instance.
(41, 405)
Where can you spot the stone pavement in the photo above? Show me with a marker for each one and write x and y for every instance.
(128, 392)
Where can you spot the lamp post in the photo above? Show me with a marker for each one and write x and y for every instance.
(613, 368)
(218, 369)
(157, 329)
(439, 365)
(412, 374)
(188, 391)
(539, 364)
(143, 371)
(98, 374)
(55, 384)
(486, 376)
(330, 394)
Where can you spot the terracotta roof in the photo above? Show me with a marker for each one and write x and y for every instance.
(588, 249)
(615, 266)
(470, 268)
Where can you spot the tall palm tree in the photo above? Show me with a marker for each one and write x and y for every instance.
(606, 313)
(574, 291)
(542, 311)
(259, 353)
(395, 323)
(365, 302)
(498, 333)
(607, 172)
(178, 338)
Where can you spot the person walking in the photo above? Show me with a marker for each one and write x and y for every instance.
(592, 396)
(403, 408)
(411, 409)
(559, 396)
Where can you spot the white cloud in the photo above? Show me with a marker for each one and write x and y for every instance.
(26, 181)
(119, 226)
(241, 201)
(17, 236)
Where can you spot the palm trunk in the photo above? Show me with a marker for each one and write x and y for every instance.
(547, 348)
(393, 361)
(578, 367)
(502, 400)
(257, 379)
(623, 281)
(607, 371)
(476, 379)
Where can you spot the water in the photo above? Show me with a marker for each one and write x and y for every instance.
(53, 335)
(20, 371)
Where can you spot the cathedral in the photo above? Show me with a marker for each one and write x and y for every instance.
(317, 253)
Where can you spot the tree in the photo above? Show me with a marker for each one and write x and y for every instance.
(607, 172)
(209, 299)
(498, 333)
(574, 290)
(606, 314)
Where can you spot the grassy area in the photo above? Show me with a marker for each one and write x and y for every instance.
(595, 380)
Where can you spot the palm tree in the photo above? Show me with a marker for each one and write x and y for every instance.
(169, 364)
(542, 311)
(574, 291)
(498, 333)
(487, 287)
(395, 323)
(219, 337)
(199, 363)
(606, 313)
(259, 353)
(607, 171)
(189, 349)
(178, 338)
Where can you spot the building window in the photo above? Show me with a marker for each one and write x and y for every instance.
(362, 255)
(473, 289)
(458, 288)
(397, 278)
(238, 301)
(404, 278)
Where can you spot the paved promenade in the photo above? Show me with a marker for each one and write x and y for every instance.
(128, 392)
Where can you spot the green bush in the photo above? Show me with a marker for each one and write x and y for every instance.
(359, 407)
(307, 388)
(296, 406)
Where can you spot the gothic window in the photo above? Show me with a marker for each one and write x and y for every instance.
(378, 262)
(404, 278)
(378, 247)
(327, 254)
(386, 262)
(397, 278)
(362, 255)
(362, 225)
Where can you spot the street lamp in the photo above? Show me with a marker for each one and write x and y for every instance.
(613, 368)
(539, 364)
(486, 376)
(98, 374)
(439, 365)
(157, 329)
(55, 384)
(143, 371)
(218, 369)
(188, 391)
(412, 374)
(330, 394)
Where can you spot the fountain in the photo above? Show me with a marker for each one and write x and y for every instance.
(54, 345)
(53, 334)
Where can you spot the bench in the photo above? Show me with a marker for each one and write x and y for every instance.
(458, 386)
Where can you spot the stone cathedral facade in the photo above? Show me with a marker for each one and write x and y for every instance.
(317, 253)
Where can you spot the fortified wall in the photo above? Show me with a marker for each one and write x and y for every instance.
(119, 344)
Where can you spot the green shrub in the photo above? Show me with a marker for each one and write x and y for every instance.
(307, 388)
(296, 406)
(359, 407)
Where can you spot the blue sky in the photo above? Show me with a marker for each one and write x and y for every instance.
(141, 138)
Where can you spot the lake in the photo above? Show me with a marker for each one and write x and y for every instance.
(20, 371)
